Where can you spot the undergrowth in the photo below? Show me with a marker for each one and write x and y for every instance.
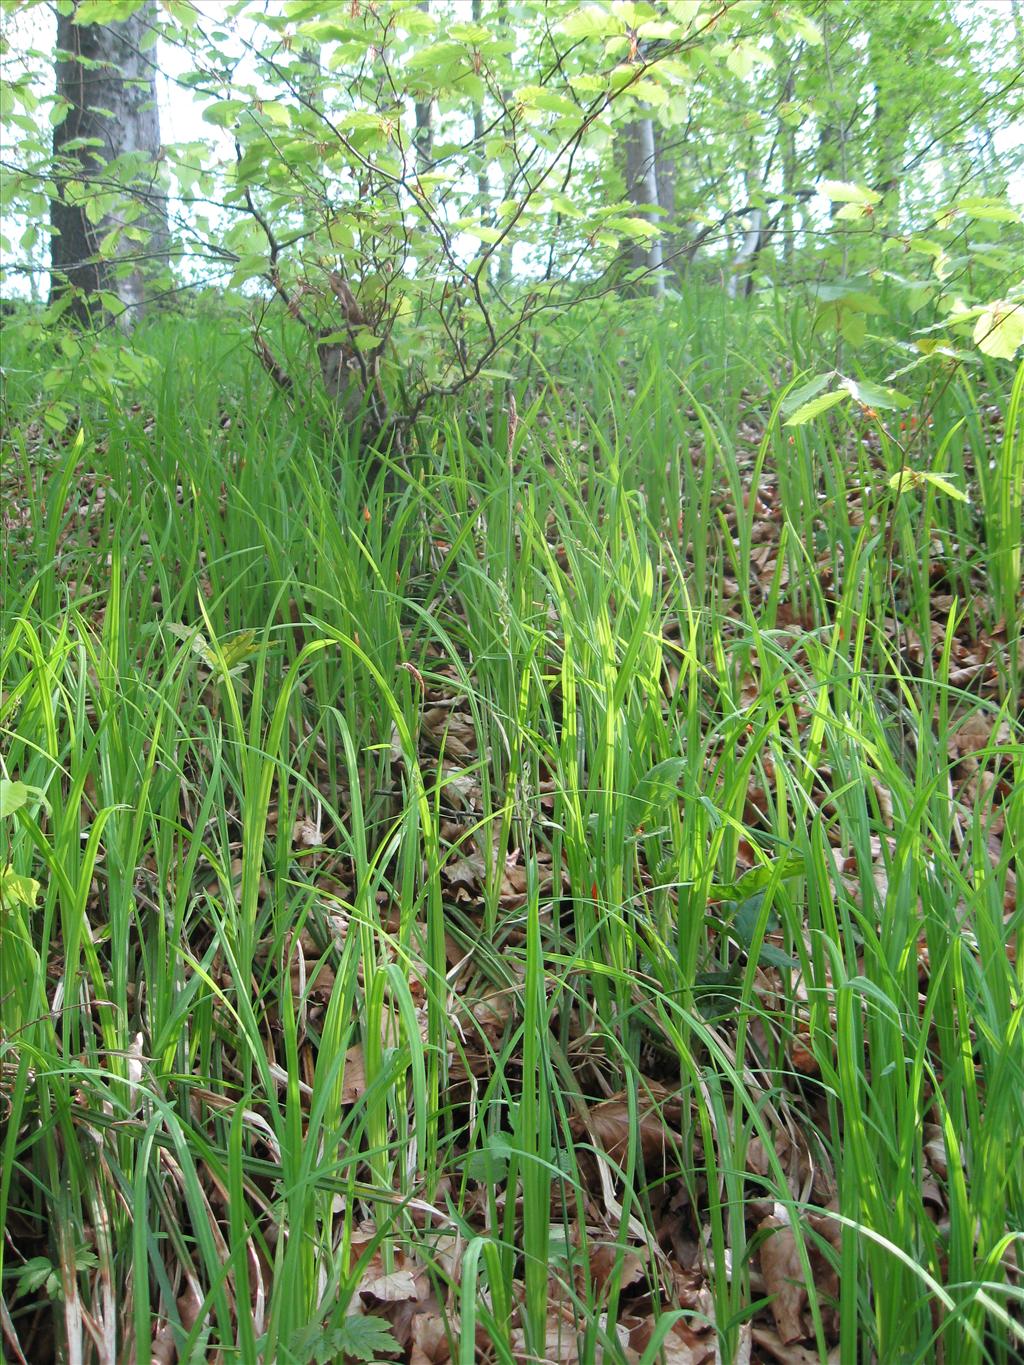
(554, 898)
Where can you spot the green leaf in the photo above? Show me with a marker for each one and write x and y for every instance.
(874, 395)
(846, 192)
(992, 210)
(852, 212)
(412, 20)
(223, 113)
(906, 479)
(473, 34)
(654, 792)
(359, 119)
(18, 890)
(277, 114)
(816, 407)
(853, 326)
(537, 97)
(632, 227)
(13, 796)
(743, 56)
(594, 21)
(439, 56)
(323, 31)
(490, 235)
(358, 1337)
(804, 28)
(365, 340)
(798, 397)
(684, 12)
(999, 332)
(105, 11)
(757, 879)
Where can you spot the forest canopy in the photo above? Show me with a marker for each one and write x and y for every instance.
(465, 167)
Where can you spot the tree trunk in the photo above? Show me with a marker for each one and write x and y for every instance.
(109, 83)
(642, 188)
(423, 138)
(743, 262)
(483, 186)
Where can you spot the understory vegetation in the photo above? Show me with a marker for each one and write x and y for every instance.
(548, 895)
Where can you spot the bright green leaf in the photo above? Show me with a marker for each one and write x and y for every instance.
(845, 192)
(816, 407)
(905, 480)
(592, 22)
(874, 395)
(992, 210)
(13, 796)
(999, 332)
(18, 890)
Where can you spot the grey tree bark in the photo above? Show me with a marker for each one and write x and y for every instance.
(109, 82)
(642, 188)
(423, 138)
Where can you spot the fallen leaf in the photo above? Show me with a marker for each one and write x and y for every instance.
(783, 1278)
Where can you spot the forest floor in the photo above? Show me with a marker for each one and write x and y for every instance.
(556, 902)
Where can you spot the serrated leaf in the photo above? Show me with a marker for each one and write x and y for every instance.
(359, 120)
(852, 212)
(847, 192)
(742, 57)
(223, 113)
(906, 479)
(757, 879)
(468, 33)
(437, 55)
(652, 795)
(632, 227)
(18, 890)
(536, 97)
(685, 12)
(105, 11)
(277, 114)
(999, 332)
(853, 327)
(874, 395)
(798, 397)
(991, 210)
(482, 233)
(13, 796)
(594, 21)
(816, 407)
(361, 1337)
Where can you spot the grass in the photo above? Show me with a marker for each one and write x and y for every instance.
(558, 902)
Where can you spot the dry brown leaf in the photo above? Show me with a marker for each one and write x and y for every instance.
(682, 1345)
(608, 1123)
(394, 1286)
(602, 1263)
(430, 1344)
(788, 1354)
(561, 1342)
(783, 1279)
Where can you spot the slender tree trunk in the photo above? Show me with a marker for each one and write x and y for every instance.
(504, 274)
(787, 140)
(109, 83)
(423, 138)
(742, 265)
(483, 185)
(673, 242)
(642, 188)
